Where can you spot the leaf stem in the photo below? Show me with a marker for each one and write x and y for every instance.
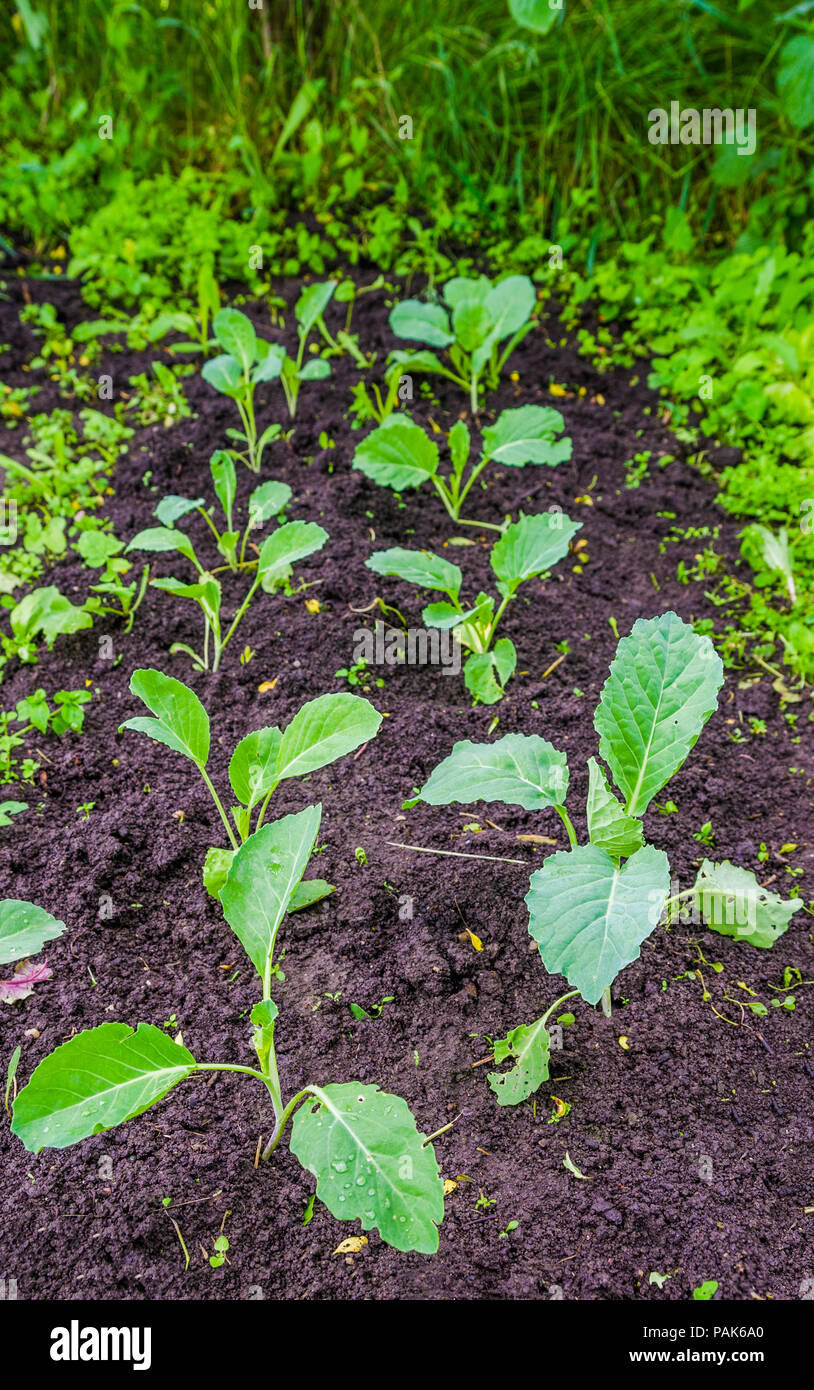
(566, 820)
(219, 804)
(283, 1121)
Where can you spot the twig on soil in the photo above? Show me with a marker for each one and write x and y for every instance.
(553, 666)
(457, 854)
(442, 1130)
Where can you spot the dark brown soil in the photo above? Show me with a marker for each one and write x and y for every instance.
(695, 1139)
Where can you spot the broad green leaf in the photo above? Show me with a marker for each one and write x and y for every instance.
(310, 891)
(504, 655)
(24, 929)
(537, 15)
(216, 869)
(97, 547)
(609, 827)
(526, 435)
(262, 877)
(530, 546)
(529, 1048)
(446, 616)
(317, 369)
(732, 902)
(9, 809)
(397, 454)
(253, 765)
(224, 480)
(481, 680)
(169, 510)
(236, 335)
(323, 730)
(160, 539)
(180, 722)
(518, 769)
(510, 304)
(662, 688)
(371, 1163)
(96, 1081)
(400, 362)
(795, 81)
(459, 444)
(417, 567)
(765, 549)
(292, 541)
(425, 323)
(268, 500)
(589, 917)
(272, 360)
(464, 287)
(312, 304)
(47, 611)
(224, 374)
(471, 323)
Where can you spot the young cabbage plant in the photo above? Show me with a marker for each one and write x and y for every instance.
(24, 930)
(591, 906)
(272, 570)
(363, 1146)
(245, 362)
(267, 500)
(323, 730)
(527, 548)
(398, 453)
(480, 324)
(308, 311)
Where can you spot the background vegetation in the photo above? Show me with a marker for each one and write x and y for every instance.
(284, 127)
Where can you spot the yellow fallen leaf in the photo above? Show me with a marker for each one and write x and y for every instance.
(476, 941)
(586, 501)
(449, 1186)
(351, 1246)
(562, 1106)
(787, 849)
(556, 390)
(436, 429)
(313, 605)
(265, 686)
(624, 1043)
(600, 400)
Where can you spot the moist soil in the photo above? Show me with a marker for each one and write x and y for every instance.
(690, 1120)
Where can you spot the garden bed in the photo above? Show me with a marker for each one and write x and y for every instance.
(694, 1135)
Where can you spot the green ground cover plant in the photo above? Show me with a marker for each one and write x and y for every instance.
(400, 455)
(323, 730)
(527, 549)
(591, 906)
(362, 1145)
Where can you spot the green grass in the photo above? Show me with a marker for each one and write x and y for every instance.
(304, 100)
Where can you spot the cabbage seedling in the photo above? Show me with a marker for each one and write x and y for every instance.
(293, 541)
(398, 454)
(527, 548)
(267, 500)
(320, 732)
(480, 324)
(591, 906)
(245, 362)
(24, 930)
(362, 1145)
